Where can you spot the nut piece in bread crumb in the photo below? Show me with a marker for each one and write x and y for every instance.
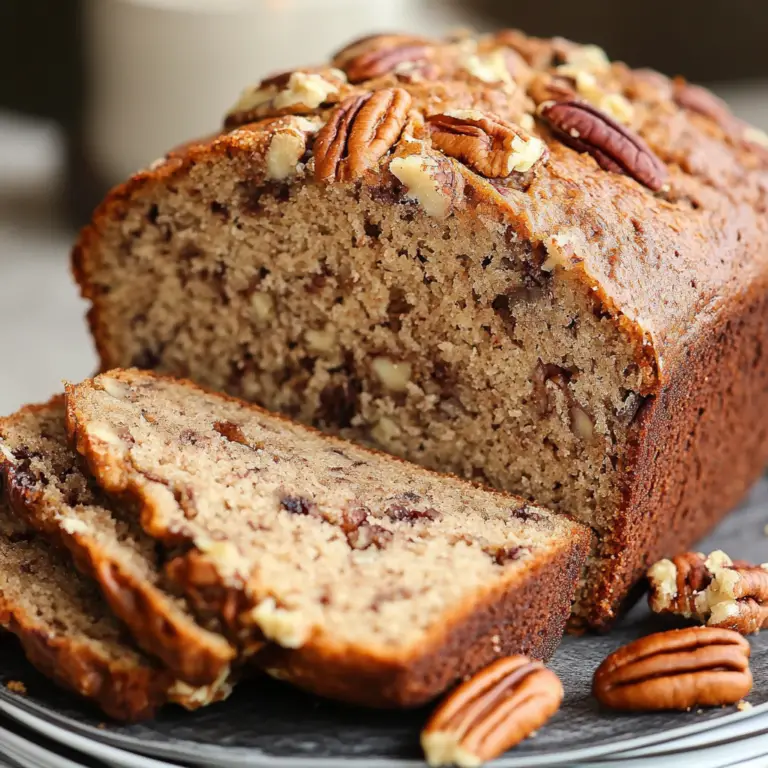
(394, 376)
(16, 686)
(285, 627)
(104, 433)
(118, 389)
(263, 306)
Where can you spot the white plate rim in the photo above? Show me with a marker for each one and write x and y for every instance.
(83, 740)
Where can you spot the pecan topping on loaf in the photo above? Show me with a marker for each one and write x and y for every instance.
(681, 669)
(359, 132)
(379, 55)
(289, 93)
(700, 100)
(493, 711)
(614, 147)
(694, 98)
(430, 179)
(486, 143)
(287, 147)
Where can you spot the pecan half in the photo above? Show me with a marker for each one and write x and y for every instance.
(680, 669)
(614, 147)
(486, 143)
(694, 98)
(378, 55)
(496, 709)
(359, 132)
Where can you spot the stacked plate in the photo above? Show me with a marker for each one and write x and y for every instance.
(269, 725)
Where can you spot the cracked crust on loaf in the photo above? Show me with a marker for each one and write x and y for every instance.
(347, 571)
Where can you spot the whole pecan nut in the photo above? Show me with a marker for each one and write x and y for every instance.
(359, 132)
(614, 147)
(738, 598)
(491, 712)
(680, 669)
(676, 584)
(714, 590)
(486, 143)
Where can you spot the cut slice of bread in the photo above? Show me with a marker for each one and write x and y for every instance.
(347, 571)
(68, 632)
(47, 487)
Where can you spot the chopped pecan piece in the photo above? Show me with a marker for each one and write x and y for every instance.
(300, 92)
(543, 373)
(486, 143)
(496, 709)
(432, 180)
(614, 147)
(231, 431)
(359, 132)
(401, 513)
(507, 554)
(680, 669)
(369, 534)
(298, 505)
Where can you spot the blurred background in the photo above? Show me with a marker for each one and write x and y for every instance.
(92, 90)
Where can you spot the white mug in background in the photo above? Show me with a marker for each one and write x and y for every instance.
(159, 72)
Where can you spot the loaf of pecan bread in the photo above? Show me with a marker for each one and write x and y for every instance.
(344, 570)
(504, 257)
(46, 486)
(68, 632)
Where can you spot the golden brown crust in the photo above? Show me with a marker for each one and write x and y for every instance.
(66, 630)
(709, 415)
(123, 691)
(193, 654)
(523, 613)
(682, 272)
(527, 617)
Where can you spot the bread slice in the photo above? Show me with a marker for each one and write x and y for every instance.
(347, 571)
(68, 632)
(46, 485)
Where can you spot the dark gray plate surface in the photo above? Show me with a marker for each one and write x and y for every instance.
(267, 721)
